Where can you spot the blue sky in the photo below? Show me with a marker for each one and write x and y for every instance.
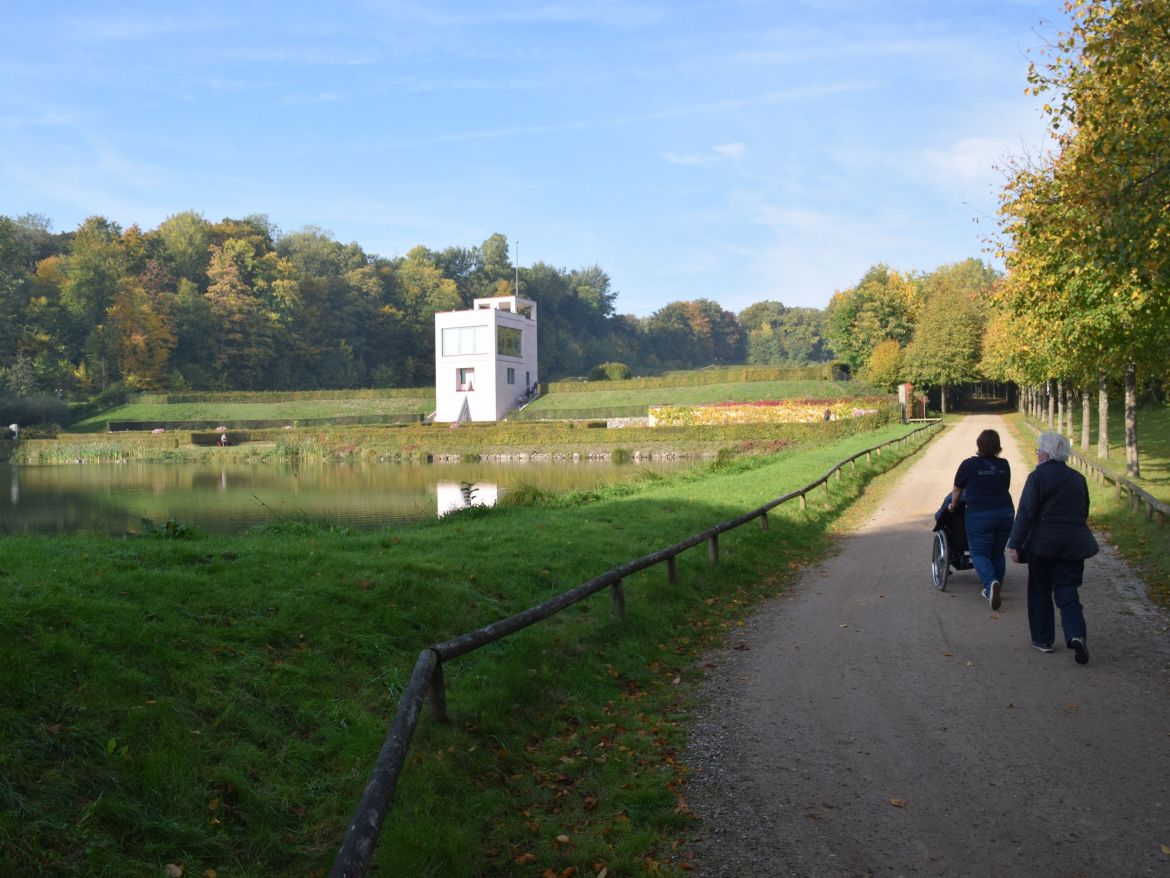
(733, 150)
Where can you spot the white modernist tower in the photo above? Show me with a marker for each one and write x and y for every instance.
(485, 359)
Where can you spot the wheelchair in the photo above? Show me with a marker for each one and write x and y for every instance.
(950, 551)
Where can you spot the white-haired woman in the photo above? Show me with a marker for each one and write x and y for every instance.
(1052, 534)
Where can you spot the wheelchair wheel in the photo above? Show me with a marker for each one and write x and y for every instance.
(940, 565)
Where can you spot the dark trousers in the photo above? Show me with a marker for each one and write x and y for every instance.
(1052, 581)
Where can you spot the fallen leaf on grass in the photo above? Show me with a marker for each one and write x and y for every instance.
(898, 803)
(563, 839)
(525, 858)
(174, 871)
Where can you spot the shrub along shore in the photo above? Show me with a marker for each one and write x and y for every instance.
(217, 703)
(542, 440)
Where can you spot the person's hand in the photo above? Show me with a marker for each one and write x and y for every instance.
(1015, 555)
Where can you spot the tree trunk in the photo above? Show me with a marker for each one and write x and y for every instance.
(942, 399)
(1051, 402)
(1102, 416)
(1059, 405)
(1085, 419)
(1131, 446)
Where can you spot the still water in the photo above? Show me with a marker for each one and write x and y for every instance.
(229, 498)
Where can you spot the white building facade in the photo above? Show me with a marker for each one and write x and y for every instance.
(485, 359)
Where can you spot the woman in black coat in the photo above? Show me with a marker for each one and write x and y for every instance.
(1051, 533)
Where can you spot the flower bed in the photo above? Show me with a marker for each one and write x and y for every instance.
(777, 411)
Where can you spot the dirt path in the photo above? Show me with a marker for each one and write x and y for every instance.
(876, 726)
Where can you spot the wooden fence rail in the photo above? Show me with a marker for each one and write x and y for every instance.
(1139, 499)
(427, 677)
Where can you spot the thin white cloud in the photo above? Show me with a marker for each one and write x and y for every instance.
(297, 100)
(726, 152)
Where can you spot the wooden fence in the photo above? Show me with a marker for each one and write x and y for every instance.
(1139, 500)
(427, 677)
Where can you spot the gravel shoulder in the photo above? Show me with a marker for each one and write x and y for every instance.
(866, 724)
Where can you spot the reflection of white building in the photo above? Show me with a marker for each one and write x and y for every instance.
(485, 359)
(460, 495)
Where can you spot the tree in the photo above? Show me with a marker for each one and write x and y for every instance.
(884, 368)
(884, 305)
(186, 240)
(141, 337)
(1090, 225)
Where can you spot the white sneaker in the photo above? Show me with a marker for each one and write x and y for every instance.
(993, 598)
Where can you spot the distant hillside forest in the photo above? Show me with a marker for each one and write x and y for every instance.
(237, 304)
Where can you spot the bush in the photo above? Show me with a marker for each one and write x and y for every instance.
(38, 409)
(610, 372)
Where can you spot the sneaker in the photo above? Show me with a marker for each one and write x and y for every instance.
(1041, 647)
(993, 599)
(1081, 650)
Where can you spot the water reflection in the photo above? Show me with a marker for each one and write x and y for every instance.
(453, 496)
(228, 498)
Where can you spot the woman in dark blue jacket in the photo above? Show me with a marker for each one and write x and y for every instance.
(982, 482)
(1051, 533)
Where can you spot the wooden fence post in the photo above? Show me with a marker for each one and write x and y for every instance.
(764, 521)
(618, 594)
(671, 569)
(803, 503)
(438, 694)
(713, 549)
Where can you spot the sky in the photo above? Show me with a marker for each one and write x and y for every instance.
(737, 150)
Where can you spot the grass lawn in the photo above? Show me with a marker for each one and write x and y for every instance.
(216, 704)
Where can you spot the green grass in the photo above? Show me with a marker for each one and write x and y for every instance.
(218, 703)
(602, 394)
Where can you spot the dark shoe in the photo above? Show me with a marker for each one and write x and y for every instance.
(1081, 650)
(1041, 647)
(993, 599)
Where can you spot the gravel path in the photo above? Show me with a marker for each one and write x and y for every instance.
(874, 726)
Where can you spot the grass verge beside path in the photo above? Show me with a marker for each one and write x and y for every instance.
(1144, 544)
(217, 704)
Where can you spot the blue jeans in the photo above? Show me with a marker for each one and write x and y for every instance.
(1053, 581)
(987, 535)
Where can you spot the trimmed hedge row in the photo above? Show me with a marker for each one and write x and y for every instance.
(261, 423)
(266, 396)
(726, 375)
(581, 414)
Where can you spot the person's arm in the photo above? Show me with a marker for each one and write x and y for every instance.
(1025, 513)
(955, 495)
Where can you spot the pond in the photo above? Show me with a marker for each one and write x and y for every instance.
(212, 497)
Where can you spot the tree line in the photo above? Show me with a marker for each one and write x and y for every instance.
(1086, 227)
(194, 304)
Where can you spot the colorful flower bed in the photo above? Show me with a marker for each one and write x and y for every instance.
(772, 411)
